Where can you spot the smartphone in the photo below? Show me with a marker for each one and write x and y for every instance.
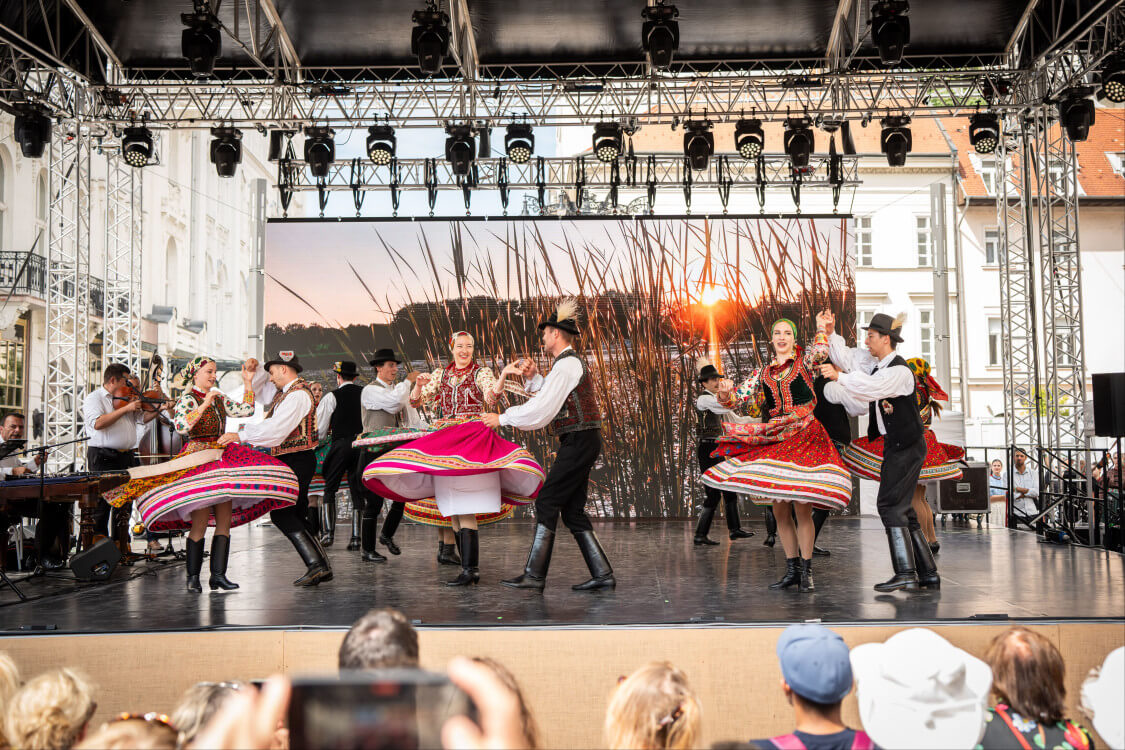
(389, 709)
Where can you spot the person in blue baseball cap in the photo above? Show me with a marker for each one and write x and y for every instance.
(816, 676)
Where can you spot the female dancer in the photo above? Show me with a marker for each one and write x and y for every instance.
(205, 484)
(943, 461)
(788, 461)
(475, 475)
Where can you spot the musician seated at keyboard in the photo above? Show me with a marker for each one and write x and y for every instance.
(50, 528)
(112, 424)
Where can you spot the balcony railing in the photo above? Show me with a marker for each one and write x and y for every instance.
(26, 273)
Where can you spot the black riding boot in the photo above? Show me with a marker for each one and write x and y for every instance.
(447, 553)
(468, 540)
(771, 528)
(928, 577)
(703, 526)
(390, 526)
(312, 555)
(367, 532)
(538, 561)
(792, 574)
(734, 526)
(806, 577)
(819, 516)
(194, 564)
(902, 558)
(328, 523)
(312, 519)
(601, 572)
(220, 552)
(357, 517)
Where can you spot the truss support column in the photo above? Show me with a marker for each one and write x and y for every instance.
(68, 294)
(121, 334)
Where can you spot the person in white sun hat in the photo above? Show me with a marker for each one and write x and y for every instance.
(917, 690)
(1103, 696)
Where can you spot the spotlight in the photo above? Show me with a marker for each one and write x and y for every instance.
(608, 141)
(519, 143)
(799, 142)
(279, 143)
(895, 140)
(320, 149)
(1113, 80)
(32, 130)
(699, 143)
(984, 132)
(749, 139)
(429, 41)
(660, 34)
(381, 144)
(226, 150)
(890, 29)
(1076, 113)
(460, 148)
(200, 42)
(136, 146)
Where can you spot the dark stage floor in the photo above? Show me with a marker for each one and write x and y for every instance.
(662, 580)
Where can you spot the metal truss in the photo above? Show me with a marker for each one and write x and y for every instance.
(121, 330)
(69, 329)
(1056, 185)
(1017, 285)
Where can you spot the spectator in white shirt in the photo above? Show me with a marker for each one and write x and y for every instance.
(1025, 487)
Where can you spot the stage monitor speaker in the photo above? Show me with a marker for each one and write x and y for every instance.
(969, 494)
(1109, 404)
(97, 562)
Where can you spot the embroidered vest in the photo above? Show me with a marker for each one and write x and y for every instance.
(303, 437)
(458, 392)
(374, 419)
(900, 415)
(709, 425)
(346, 420)
(786, 386)
(580, 410)
(211, 422)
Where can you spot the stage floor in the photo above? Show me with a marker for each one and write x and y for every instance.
(663, 579)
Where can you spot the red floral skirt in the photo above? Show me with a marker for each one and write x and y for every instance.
(943, 461)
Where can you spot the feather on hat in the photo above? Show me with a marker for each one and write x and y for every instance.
(564, 318)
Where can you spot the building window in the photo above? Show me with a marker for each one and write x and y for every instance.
(991, 246)
(862, 318)
(989, 175)
(922, 239)
(13, 368)
(1117, 161)
(41, 203)
(863, 240)
(926, 334)
(995, 338)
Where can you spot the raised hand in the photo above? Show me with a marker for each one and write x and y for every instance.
(825, 321)
(829, 371)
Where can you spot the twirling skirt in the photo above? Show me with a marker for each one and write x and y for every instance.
(943, 461)
(787, 459)
(254, 482)
(316, 486)
(431, 465)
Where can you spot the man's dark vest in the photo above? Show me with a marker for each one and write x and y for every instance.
(580, 410)
(347, 419)
(834, 417)
(709, 426)
(900, 415)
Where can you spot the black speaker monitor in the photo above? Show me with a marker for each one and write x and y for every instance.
(1109, 404)
(97, 562)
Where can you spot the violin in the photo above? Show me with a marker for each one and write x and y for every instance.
(151, 400)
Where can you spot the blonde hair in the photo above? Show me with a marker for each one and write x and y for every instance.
(652, 709)
(9, 684)
(130, 734)
(198, 705)
(50, 711)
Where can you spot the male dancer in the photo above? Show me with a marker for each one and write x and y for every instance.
(565, 403)
(881, 379)
(339, 414)
(709, 428)
(289, 431)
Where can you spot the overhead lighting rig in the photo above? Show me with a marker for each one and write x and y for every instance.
(32, 129)
(895, 139)
(320, 149)
(660, 34)
(429, 41)
(699, 143)
(519, 143)
(984, 132)
(201, 41)
(749, 138)
(226, 150)
(609, 141)
(137, 148)
(1113, 79)
(890, 29)
(381, 144)
(1076, 112)
(460, 148)
(799, 141)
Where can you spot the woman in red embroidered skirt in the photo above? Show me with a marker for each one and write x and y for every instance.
(787, 461)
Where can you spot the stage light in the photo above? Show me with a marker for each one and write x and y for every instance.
(608, 141)
(984, 132)
(519, 143)
(460, 148)
(1113, 79)
(226, 150)
(749, 139)
(137, 146)
(895, 140)
(699, 143)
(200, 42)
(799, 141)
(660, 34)
(279, 142)
(320, 149)
(890, 29)
(1076, 113)
(429, 41)
(32, 130)
(381, 143)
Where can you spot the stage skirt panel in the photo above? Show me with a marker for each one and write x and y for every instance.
(790, 458)
(943, 461)
(407, 474)
(254, 482)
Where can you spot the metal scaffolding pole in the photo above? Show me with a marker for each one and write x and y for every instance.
(69, 327)
(121, 334)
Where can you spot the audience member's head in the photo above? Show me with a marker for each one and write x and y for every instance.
(918, 690)
(9, 684)
(131, 734)
(381, 639)
(653, 708)
(527, 719)
(997, 466)
(1028, 675)
(198, 705)
(1103, 695)
(50, 712)
(816, 669)
(1020, 459)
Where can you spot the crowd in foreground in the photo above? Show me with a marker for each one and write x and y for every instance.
(915, 690)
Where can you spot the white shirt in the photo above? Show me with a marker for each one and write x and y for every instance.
(13, 460)
(326, 408)
(708, 402)
(119, 436)
(863, 379)
(549, 394)
(1029, 480)
(391, 398)
(272, 431)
